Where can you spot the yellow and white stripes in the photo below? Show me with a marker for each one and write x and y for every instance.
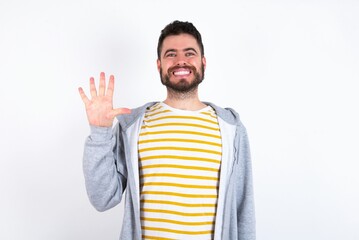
(179, 160)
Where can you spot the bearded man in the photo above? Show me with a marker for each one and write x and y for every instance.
(185, 164)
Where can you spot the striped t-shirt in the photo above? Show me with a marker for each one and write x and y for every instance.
(179, 160)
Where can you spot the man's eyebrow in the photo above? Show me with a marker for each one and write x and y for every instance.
(190, 49)
(170, 50)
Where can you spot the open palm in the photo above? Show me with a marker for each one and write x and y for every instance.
(99, 108)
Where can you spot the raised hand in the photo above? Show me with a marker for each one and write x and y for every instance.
(99, 108)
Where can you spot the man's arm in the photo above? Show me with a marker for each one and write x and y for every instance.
(104, 182)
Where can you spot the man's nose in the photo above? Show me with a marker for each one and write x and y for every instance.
(181, 60)
(181, 63)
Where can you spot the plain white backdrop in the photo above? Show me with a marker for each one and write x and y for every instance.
(289, 67)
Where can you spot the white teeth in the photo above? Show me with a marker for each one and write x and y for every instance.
(181, 73)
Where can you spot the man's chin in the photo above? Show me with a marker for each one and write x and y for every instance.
(182, 86)
(183, 83)
(181, 80)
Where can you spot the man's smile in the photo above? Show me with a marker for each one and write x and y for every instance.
(181, 72)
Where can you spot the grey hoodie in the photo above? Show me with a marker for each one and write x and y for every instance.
(110, 166)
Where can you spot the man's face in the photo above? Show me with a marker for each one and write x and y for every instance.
(181, 65)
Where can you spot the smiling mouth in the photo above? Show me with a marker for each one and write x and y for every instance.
(181, 72)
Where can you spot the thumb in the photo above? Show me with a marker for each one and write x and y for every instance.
(119, 111)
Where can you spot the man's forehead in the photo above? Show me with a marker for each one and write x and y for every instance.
(180, 42)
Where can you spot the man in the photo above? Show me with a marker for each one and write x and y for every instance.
(184, 163)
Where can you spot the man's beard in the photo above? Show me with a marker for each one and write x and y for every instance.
(183, 86)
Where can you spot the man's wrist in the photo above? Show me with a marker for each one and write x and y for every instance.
(100, 133)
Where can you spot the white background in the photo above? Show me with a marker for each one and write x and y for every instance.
(288, 67)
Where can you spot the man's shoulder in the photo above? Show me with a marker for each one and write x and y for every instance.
(227, 114)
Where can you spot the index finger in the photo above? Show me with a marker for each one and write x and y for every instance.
(111, 86)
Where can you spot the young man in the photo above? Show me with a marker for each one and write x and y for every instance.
(184, 163)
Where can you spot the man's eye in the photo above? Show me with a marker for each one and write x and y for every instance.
(170, 55)
(189, 54)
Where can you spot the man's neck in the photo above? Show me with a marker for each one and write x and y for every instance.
(184, 101)
(190, 104)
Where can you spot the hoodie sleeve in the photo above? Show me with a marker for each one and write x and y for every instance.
(104, 167)
(245, 198)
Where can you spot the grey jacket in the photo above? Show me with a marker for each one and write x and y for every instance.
(110, 166)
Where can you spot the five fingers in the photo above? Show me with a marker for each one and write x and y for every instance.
(102, 86)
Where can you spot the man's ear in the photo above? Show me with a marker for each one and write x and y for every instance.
(158, 65)
(204, 62)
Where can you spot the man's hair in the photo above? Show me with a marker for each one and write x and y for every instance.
(177, 28)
